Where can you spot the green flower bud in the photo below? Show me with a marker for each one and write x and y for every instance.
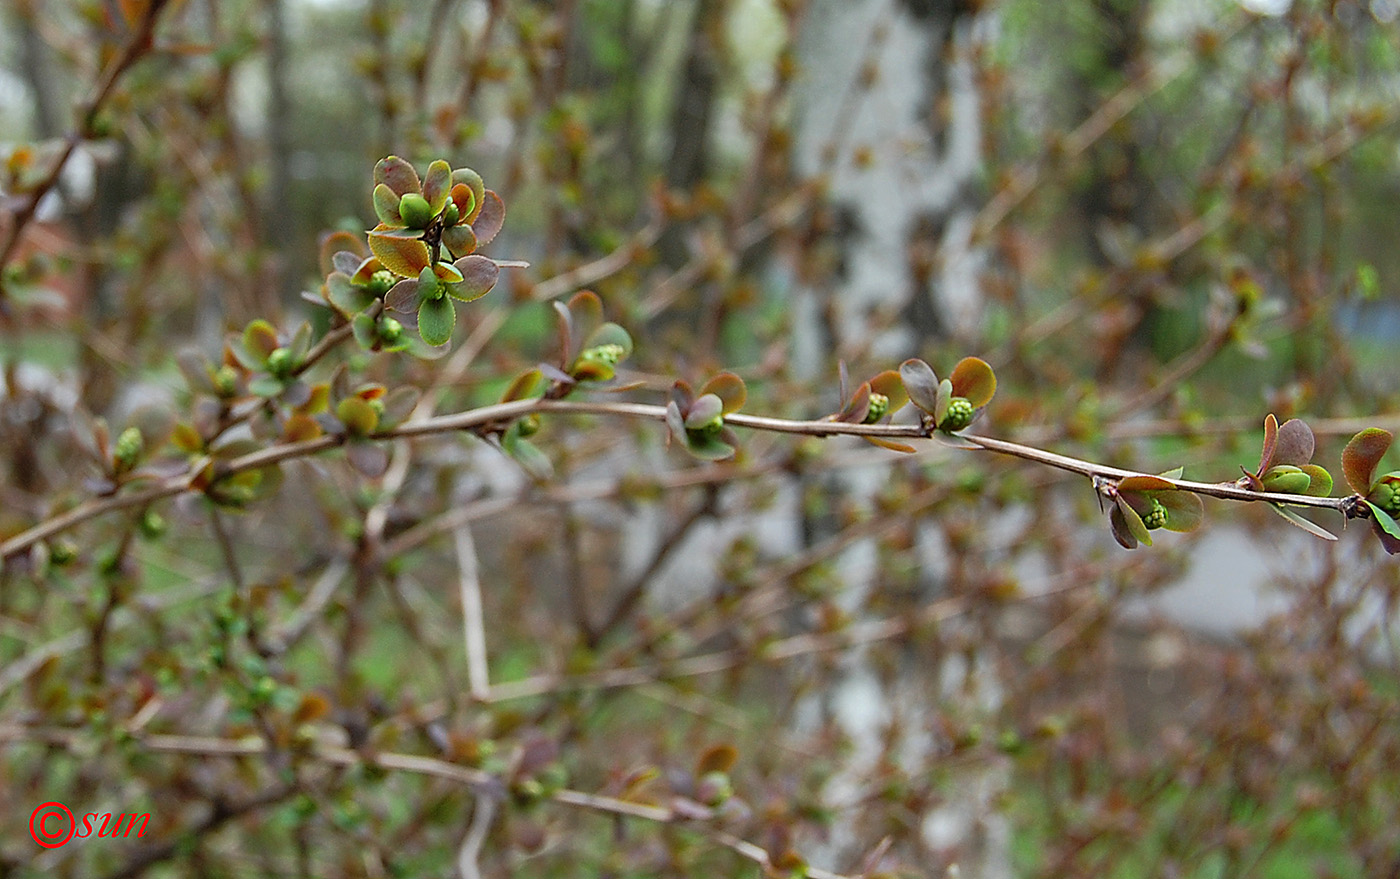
(127, 453)
(279, 362)
(415, 211)
(390, 330)
(226, 381)
(381, 282)
(377, 404)
(152, 524)
(1386, 493)
(451, 214)
(714, 788)
(709, 428)
(607, 354)
(529, 425)
(1287, 479)
(1156, 517)
(63, 552)
(879, 405)
(960, 412)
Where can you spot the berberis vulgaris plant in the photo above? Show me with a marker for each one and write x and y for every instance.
(397, 290)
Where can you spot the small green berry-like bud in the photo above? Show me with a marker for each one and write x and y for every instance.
(62, 551)
(451, 214)
(390, 330)
(609, 354)
(152, 524)
(1156, 517)
(1386, 493)
(529, 425)
(415, 211)
(960, 412)
(714, 788)
(128, 451)
(381, 282)
(279, 362)
(226, 381)
(879, 405)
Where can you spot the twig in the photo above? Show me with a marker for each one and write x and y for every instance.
(473, 618)
(467, 855)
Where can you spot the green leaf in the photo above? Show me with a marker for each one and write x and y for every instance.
(920, 384)
(1362, 454)
(386, 205)
(708, 448)
(1297, 520)
(264, 385)
(260, 339)
(436, 318)
(523, 387)
(974, 380)
(730, 390)
(527, 454)
(1384, 519)
(345, 295)
(1321, 484)
(437, 185)
(357, 415)
(1133, 521)
(1184, 510)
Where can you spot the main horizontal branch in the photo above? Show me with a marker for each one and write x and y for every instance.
(500, 415)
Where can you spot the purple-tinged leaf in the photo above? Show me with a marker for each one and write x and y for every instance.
(479, 275)
(1144, 483)
(523, 387)
(703, 412)
(488, 221)
(345, 261)
(335, 243)
(403, 297)
(1184, 510)
(1119, 525)
(369, 459)
(1266, 454)
(1295, 443)
(1131, 519)
(920, 384)
(857, 407)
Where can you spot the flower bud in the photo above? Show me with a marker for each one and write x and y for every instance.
(879, 405)
(415, 211)
(1386, 493)
(226, 381)
(1156, 517)
(529, 425)
(381, 281)
(451, 214)
(390, 330)
(279, 362)
(608, 354)
(960, 412)
(128, 451)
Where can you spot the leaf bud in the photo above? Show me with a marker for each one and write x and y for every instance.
(226, 381)
(280, 362)
(1286, 478)
(415, 211)
(529, 425)
(128, 450)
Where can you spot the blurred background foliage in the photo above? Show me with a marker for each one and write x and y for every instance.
(1159, 222)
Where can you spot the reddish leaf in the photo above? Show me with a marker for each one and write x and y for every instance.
(397, 174)
(459, 240)
(889, 384)
(716, 758)
(1144, 483)
(857, 407)
(336, 243)
(490, 218)
(478, 188)
(300, 427)
(479, 275)
(1266, 455)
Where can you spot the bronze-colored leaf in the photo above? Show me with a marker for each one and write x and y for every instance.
(335, 243)
(891, 385)
(459, 240)
(857, 407)
(357, 415)
(405, 257)
(974, 380)
(478, 188)
(260, 339)
(1144, 483)
(300, 427)
(523, 387)
(1362, 454)
(729, 388)
(716, 758)
(1266, 454)
(479, 275)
